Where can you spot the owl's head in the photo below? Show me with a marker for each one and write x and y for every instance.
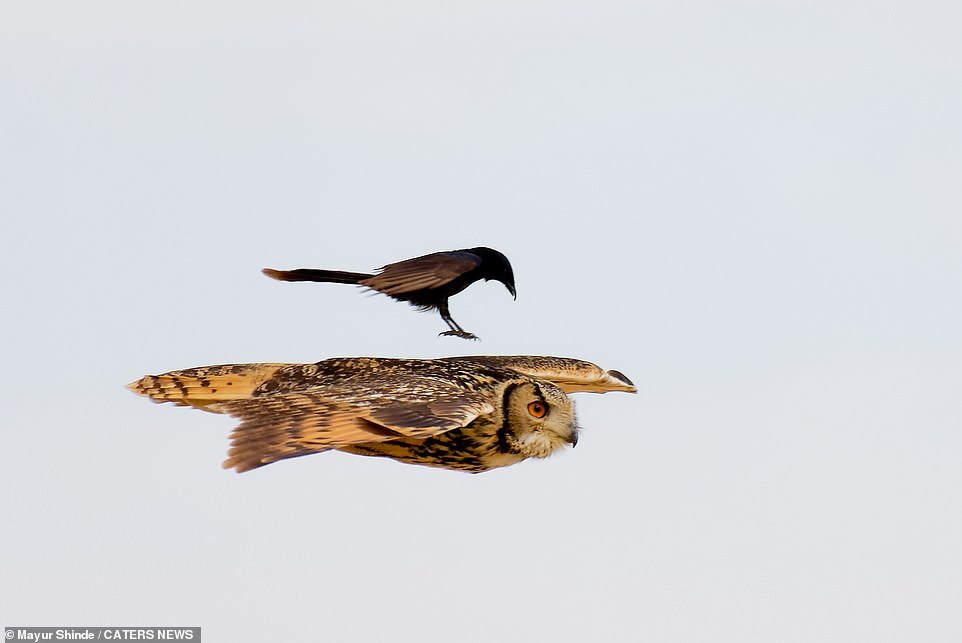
(540, 419)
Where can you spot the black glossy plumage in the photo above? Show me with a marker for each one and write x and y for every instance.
(426, 282)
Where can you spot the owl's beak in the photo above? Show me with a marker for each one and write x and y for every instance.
(573, 439)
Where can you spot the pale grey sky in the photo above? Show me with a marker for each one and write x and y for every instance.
(752, 209)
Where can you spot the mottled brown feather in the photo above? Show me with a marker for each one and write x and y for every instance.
(568, 374)
(347, 409)
(204, 385)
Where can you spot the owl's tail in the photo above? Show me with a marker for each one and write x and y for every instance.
(312, 274)
(199, 387)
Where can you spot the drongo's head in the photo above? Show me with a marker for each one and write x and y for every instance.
(495, 266)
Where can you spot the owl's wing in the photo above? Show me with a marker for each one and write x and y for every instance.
(429, 271)
(287, 425)
(202, 386)
(568, 374)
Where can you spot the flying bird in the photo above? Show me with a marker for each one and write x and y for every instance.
(426, 282)
(464, 413)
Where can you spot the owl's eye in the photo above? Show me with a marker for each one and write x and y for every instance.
(538, 409)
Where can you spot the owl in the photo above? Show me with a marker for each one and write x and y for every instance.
(469, 414)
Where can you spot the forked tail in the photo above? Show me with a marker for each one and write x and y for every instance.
(313, 274)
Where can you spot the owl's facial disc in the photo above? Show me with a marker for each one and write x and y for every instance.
(541, 420)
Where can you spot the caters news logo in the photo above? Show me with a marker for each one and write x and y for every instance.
(103, 634)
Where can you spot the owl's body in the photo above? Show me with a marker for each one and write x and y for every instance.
(466, 413)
